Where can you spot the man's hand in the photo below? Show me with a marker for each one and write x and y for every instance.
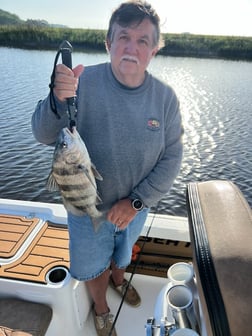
(66, 81)
(122, 213)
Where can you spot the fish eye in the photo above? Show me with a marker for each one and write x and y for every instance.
(64, 144)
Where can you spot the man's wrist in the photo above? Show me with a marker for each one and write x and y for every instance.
(137, 204)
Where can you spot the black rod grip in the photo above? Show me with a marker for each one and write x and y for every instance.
(66, 53)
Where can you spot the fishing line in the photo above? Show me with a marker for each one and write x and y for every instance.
(133, 272)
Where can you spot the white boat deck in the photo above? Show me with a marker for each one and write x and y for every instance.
(131, 321)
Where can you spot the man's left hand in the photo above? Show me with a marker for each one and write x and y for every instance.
(122, 213)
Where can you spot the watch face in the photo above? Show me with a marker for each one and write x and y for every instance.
(137, 204)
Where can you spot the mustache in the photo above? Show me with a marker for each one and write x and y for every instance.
(130, 59)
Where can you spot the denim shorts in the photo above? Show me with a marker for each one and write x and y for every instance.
(91, 252)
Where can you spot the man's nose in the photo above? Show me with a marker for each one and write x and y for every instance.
(131, 46)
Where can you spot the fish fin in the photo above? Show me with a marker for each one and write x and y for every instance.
(97, 175)
(51, 183)
(85, 170)
(98, 198)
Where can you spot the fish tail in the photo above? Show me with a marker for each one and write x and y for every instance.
(97, 221)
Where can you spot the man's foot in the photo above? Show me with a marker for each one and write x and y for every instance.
(132, 297)
(103, 324)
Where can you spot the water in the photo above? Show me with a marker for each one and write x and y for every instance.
(215, 97)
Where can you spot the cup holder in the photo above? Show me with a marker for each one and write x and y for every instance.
(57, 275)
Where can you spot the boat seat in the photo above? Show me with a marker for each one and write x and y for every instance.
(23, 318)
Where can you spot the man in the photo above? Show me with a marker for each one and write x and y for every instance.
(131, 125)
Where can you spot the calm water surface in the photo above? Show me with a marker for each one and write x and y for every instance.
(216, 104)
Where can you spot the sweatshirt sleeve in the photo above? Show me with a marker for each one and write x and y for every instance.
(46, 125)
(161, 178)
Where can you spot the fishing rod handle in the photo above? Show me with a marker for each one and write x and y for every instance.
(66, 55)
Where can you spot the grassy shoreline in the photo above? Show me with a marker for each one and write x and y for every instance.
(185, 45)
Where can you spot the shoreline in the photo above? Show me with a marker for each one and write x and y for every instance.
(177, 45)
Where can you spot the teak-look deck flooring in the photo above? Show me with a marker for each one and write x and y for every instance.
(48, 249)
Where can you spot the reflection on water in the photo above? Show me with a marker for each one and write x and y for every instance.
(215, 98)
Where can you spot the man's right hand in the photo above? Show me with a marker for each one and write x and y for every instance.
(66, 81)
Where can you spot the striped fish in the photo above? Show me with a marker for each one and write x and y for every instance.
(74, 175)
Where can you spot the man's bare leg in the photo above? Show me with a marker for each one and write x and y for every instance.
(117, 274)
(97, 288)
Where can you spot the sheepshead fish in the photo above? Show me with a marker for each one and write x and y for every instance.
(74, 175)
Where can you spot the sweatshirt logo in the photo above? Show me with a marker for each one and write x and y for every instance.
(153, 124)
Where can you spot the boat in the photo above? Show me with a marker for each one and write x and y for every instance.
(34, 263)
(39, 296)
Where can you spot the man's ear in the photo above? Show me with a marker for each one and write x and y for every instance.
(154, 51)
(108, 44)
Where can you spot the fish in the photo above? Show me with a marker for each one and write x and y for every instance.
(74, 175)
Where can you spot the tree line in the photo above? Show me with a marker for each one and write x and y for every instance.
(45, 37)
(37, 37)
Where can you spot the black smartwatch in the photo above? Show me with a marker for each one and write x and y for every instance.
(137, 204)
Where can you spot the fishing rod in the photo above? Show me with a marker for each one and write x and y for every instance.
(65, 50)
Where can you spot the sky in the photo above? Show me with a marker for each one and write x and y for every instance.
(207, 17)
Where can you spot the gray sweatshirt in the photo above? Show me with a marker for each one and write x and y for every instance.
(133, 135)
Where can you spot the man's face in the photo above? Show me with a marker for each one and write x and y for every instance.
(131, 49)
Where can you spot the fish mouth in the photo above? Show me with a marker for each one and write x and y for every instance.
(70, 131)
(130, 59)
